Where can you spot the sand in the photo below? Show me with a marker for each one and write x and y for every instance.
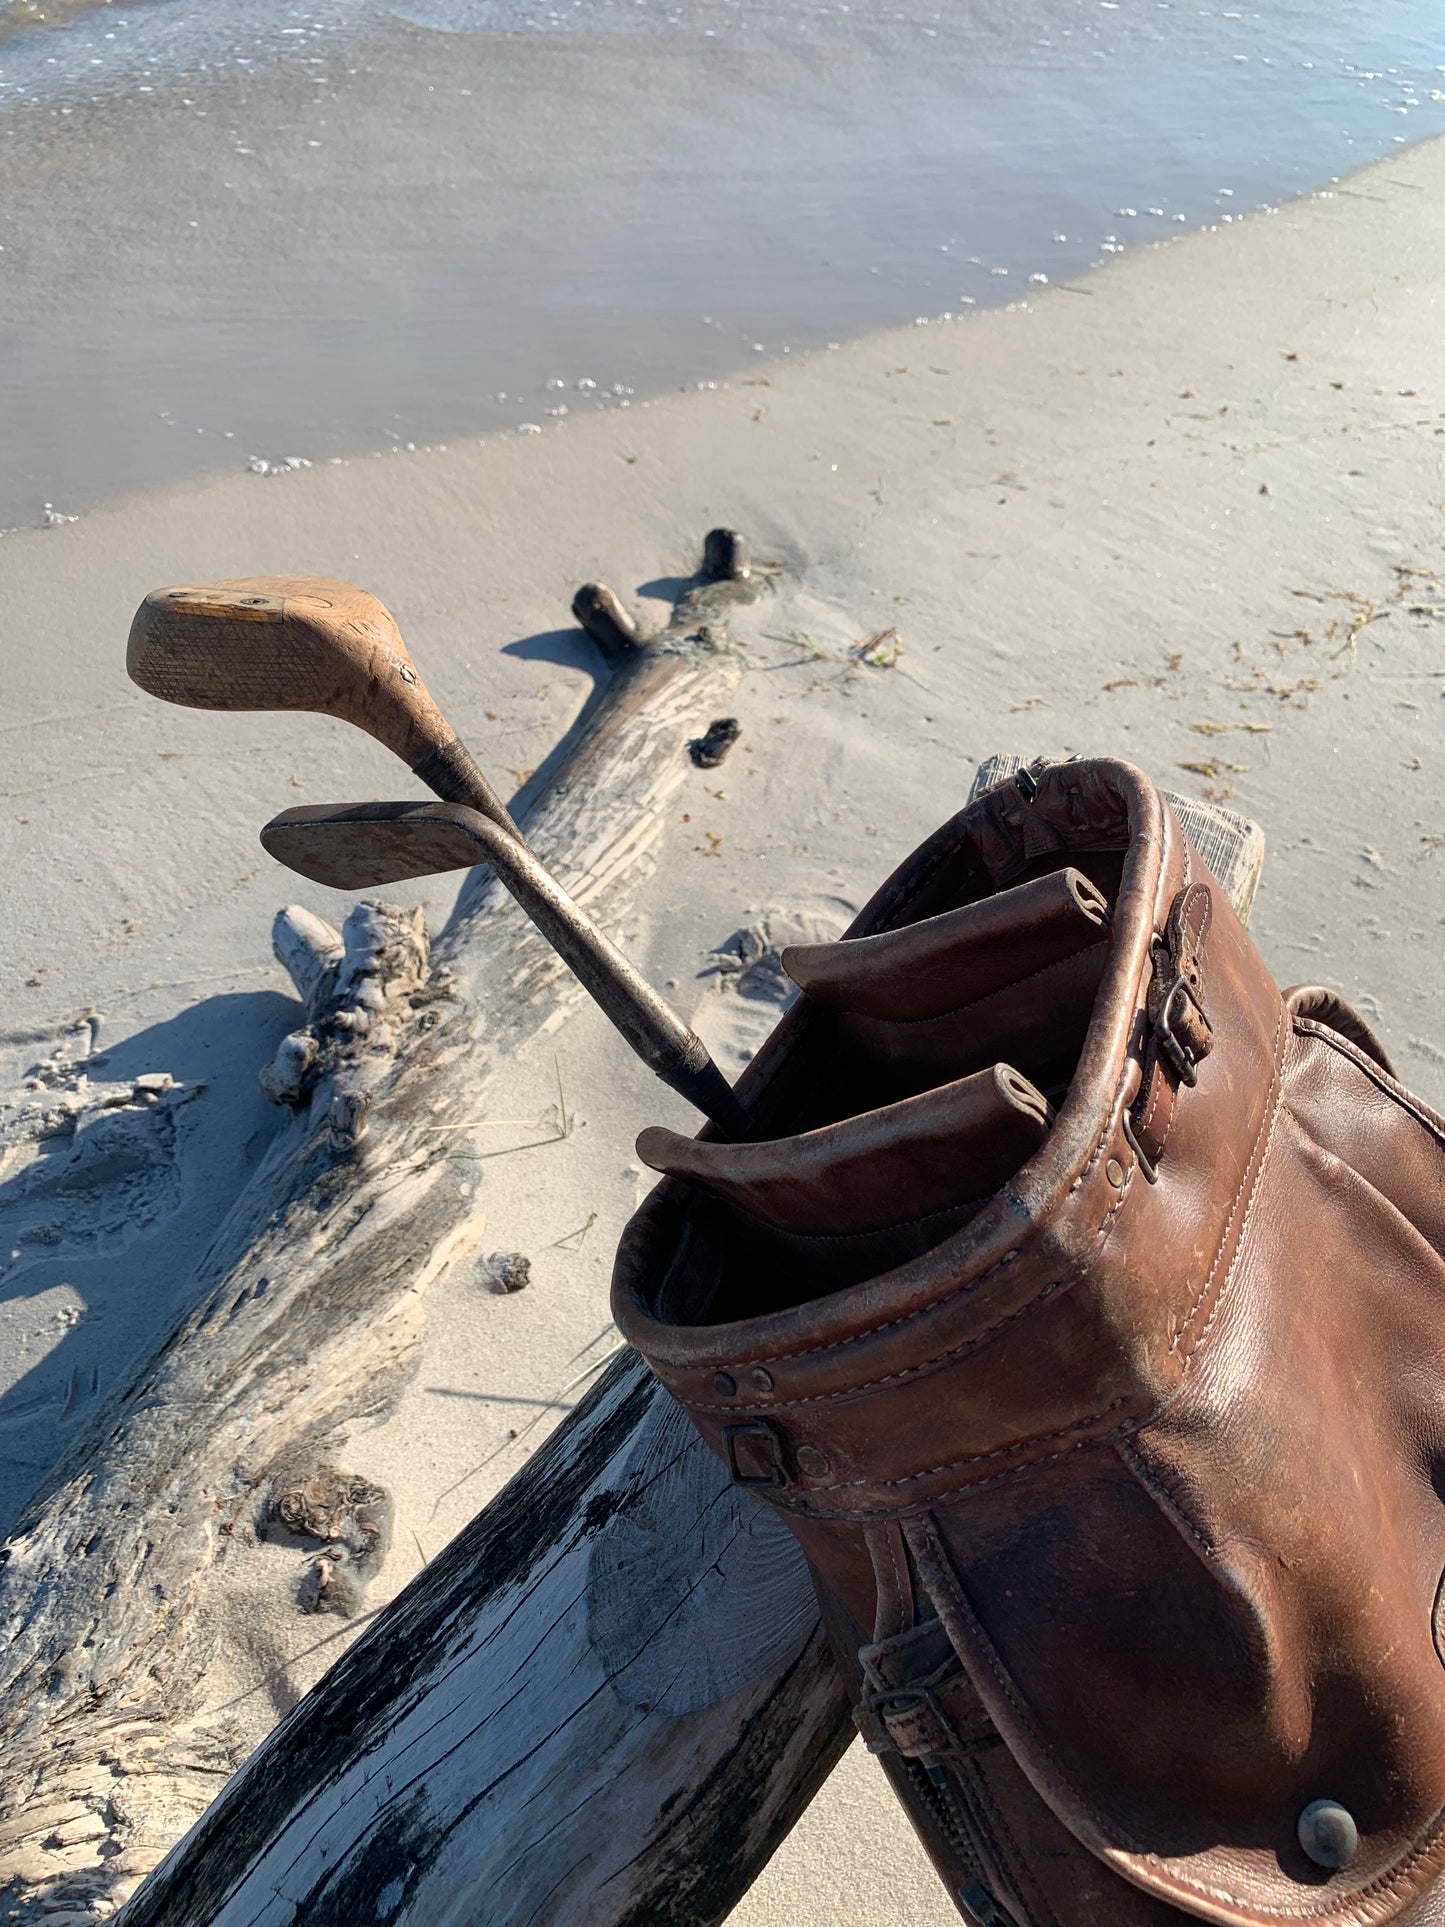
(1188, 510)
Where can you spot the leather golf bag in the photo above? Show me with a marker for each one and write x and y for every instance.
(1079, 1302)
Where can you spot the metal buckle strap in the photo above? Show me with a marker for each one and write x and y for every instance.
(1146, 1163)
(1182, 1053)
(754, 1454)
(913, 1721)
(1179, 1034)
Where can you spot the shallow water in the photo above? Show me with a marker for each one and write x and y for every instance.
(252, 230)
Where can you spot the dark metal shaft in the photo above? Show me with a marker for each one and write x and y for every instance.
(453, 774)
(363, 845)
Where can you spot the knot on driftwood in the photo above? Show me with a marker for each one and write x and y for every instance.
(361, 986)
(346, 1517)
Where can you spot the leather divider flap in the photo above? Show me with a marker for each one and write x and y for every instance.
(930, 968)
(958, 1143)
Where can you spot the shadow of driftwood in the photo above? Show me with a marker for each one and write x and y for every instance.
(570, 648)
(105, 1215)
(666, 588)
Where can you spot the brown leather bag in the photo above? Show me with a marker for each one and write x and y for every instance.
(1080, 1303)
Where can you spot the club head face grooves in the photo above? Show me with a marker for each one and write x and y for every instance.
(285, 643)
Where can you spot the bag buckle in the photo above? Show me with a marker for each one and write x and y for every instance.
(911, 1720)
(1146, 1164)
(765, 1450)
(1180, 1054)
(1182, 1031)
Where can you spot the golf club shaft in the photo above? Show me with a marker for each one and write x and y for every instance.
(451, 772)
(665, 1044)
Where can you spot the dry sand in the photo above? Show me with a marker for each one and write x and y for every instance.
(1190, 511)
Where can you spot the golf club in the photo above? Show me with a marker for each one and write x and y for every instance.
(359, 846)
(303, 642)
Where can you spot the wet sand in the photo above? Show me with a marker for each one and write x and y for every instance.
(247, 229)
(1189, 510)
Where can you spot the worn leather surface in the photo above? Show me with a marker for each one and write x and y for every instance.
(1151, 1470)
(1011, 976)
(829, 1207)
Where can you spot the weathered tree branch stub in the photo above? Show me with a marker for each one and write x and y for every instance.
(307, 1305)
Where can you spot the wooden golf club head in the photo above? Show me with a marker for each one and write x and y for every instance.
(285, 642)
(303, 642)
(360, 846)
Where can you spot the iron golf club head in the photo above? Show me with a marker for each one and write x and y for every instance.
(302, 642)
(360, 846)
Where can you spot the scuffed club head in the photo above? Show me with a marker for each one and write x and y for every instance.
(285, 642)
(359, 846)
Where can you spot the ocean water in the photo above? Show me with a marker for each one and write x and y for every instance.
(244, 232)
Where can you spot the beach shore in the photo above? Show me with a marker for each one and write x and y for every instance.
(1189, 510)
(253, 229)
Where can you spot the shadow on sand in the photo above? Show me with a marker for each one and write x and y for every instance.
(103, 1227)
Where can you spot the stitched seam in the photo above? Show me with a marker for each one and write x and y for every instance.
(1393, 1880)
(955, 1352)
(937, 1304)
(950, 1586)
(983, 1458)
(1391, 1086)
(1196, 944)
(1105, 1137)
(1114, 1209)
(860, 1515)
(903, 1590)
(1129, 1452)
(1254, 1164)
(1030, 1465)
(909, 1371)
(1164, 1095)
(973, 1003)
(889, 1608)
(1236, 1263)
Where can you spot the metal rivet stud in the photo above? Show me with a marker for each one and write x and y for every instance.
(1328, 1834)
(725, 1385)
(1114, 1172)
(812, 1462)
(760, 1380)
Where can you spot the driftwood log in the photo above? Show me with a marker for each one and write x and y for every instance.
(307, 1304)
(606, 1701)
